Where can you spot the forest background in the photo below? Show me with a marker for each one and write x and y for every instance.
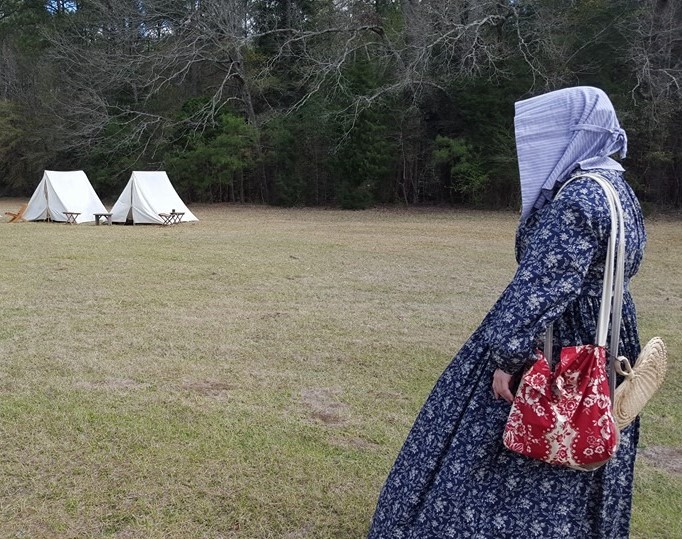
(326, 102)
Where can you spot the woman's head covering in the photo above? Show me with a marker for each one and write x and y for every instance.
(559, 131)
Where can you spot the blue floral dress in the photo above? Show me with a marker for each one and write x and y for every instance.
(453, 477)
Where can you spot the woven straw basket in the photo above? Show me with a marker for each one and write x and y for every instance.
(640, 383)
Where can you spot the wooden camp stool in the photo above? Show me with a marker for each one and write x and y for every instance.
(98, 216)
(172, 218)
(71, 217)
(18, 215)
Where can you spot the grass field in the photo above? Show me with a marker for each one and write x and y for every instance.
(253, 375)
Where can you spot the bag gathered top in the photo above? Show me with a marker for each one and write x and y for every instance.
(567, 416)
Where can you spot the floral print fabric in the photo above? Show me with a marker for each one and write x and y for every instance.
(563, 416)
(453, 477)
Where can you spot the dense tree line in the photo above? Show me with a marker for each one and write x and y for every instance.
(305, 102)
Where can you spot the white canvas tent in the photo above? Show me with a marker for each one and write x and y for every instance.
(61, 191)
(146, 195)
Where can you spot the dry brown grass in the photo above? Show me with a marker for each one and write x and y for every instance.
(254, 374)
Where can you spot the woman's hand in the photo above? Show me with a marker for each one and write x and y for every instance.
(501, 383)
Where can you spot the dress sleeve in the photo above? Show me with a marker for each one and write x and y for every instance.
(550, 274)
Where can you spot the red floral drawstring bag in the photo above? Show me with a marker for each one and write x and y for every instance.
(564, 416)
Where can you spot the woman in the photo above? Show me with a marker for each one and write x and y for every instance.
(453, 477)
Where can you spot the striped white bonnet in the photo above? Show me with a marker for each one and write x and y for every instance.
(559, 131)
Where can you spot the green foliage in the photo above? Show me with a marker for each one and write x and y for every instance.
(283, 152)
(365, 159)
(208, 164)
(484, 117)
(21, 153)
(295, 148)
(466, 169)
(10, 132)
(24, 22)
(363, 162)
(11, 136)
(380, 114)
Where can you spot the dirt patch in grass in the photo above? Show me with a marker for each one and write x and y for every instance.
(353, 443)
(325, 407)
(303, 533)
(392, 396)
(663, 457)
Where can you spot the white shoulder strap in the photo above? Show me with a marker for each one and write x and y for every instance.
(614, 277)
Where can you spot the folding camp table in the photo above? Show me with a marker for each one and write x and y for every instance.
(172, 218)
(71, 217)
(98, 216)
